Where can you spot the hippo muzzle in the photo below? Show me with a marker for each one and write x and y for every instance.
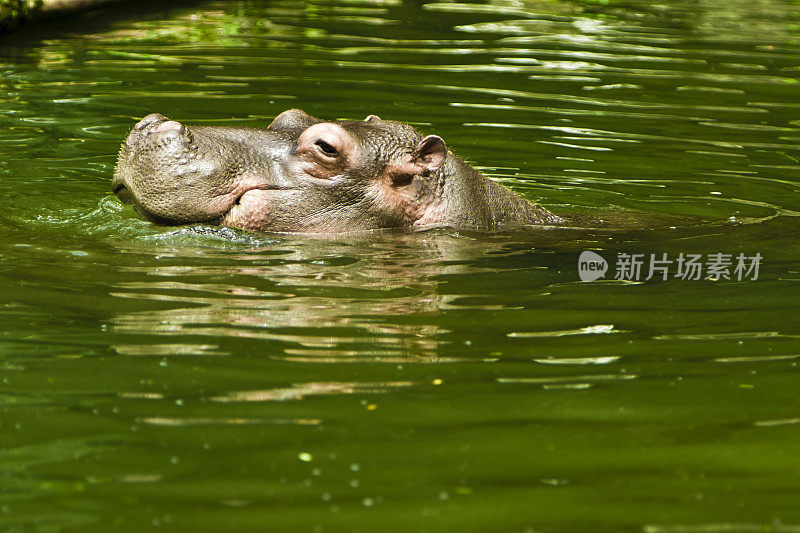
(174, 174)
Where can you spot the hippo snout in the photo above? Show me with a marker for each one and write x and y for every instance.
(170, 176)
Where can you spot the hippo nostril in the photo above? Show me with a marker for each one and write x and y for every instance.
(169, 125)
(149, 120)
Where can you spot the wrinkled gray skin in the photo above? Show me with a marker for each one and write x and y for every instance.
(303, 174)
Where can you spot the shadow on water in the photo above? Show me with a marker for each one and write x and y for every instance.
(97, 20)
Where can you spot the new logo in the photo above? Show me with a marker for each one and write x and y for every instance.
(591, 266)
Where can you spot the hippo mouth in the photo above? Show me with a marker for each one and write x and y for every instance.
(250, 209)
(122, 192)
(238, 208)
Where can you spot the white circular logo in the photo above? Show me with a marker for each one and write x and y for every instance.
(591, 266)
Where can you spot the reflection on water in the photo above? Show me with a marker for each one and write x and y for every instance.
(300, 391)
(321, 300)
(195, 378)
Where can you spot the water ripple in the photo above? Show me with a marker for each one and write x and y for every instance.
(301, 391)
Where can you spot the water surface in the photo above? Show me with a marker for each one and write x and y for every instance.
(203, 379)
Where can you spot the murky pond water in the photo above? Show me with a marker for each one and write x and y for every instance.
(195, 379)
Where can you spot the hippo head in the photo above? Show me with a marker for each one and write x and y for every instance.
(301, 174)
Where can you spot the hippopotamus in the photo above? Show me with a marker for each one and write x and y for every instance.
(303, 174)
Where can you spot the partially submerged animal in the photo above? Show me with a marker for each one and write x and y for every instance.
(304, 174)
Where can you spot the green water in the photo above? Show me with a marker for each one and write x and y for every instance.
(193, 379)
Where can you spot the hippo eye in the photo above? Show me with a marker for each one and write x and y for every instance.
(326, 148)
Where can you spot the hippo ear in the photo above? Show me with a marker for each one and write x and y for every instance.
(430, 154)
(427, 157)
(293, 119)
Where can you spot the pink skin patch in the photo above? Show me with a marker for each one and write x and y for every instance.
(168, 126)
(251, 211)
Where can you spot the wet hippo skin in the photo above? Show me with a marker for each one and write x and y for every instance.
(304, 174)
